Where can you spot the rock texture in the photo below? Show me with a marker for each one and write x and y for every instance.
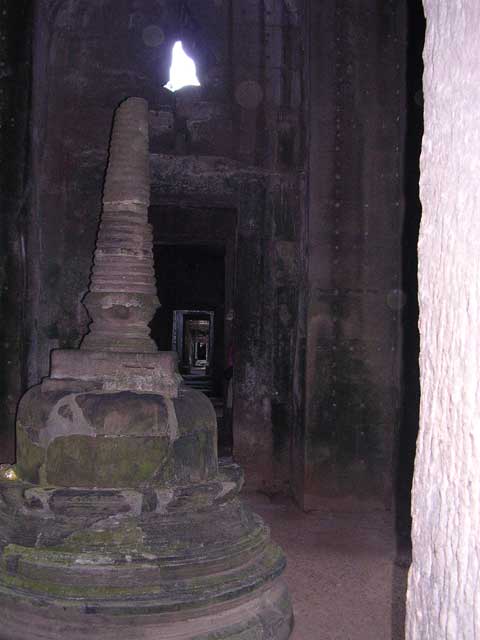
(444, 595)
(118, 515)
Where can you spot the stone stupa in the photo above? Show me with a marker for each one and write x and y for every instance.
(117, 521)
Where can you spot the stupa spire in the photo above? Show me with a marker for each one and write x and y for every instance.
(122, 296)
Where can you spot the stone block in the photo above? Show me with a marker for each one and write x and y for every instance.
(148, 372)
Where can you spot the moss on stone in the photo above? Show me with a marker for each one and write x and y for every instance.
(129, 462)
(85, 461)
(30, 457)
(195, 457)
(71, 461)
(127, 534)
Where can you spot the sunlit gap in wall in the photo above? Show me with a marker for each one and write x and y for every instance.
(183, 72)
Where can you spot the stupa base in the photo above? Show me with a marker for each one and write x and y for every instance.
(191, 563)
(264, 616)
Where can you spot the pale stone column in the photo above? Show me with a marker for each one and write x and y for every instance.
(443, 599)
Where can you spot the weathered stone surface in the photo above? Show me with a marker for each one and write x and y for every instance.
(111, 371)
(443, 597)
(265, 616)
(107, 462)
(97, 552)
(115, 439)
(125, 414)
(355, 222)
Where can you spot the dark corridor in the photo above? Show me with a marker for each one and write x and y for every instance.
(191, 289)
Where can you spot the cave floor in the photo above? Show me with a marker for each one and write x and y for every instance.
(346, 578)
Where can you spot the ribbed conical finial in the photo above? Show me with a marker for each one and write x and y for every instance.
(123, 297)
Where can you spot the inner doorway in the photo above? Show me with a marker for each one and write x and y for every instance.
(195, 250)
(191, 319)
(193, 338)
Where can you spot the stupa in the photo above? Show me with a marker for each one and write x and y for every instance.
(118, 522)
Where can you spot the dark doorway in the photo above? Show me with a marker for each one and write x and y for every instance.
(191, 319)
(193, 338)
(195, 252)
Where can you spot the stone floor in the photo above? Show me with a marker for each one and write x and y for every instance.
(346, 578)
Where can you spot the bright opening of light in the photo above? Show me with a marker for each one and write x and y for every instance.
(183, 72)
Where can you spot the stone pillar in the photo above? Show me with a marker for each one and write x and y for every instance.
(355, 217)
(444, 586)
(118, 518)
